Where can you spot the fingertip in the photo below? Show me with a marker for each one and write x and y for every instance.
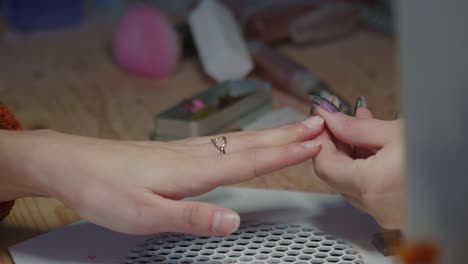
(319, 148)
(363, 112)
(314, 122)
(204, 219)
(224, 222)
(326, 115)
(312, 148)
(199, 218)
(334, 121)
(312, 144)
(310, 128)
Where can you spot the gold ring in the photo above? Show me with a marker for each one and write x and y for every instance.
(220, 144)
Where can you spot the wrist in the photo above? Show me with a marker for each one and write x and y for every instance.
(18, 155)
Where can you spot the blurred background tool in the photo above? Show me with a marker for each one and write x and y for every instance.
(289, 76)
(220, 44)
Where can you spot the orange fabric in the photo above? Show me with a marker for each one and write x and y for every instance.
(7, 121)
(422, 252)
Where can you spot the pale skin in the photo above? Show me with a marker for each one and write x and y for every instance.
(136, 187)
(371, 178)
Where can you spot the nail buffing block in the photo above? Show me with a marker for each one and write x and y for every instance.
(221, 47)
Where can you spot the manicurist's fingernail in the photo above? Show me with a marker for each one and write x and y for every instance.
(225, 222)
(313, 122)
(360, 102)
(324, 104)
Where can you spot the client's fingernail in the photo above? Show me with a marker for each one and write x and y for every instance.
(360, 102)
(225, 222)
(310, 144)
(313, 122)
(324, 104)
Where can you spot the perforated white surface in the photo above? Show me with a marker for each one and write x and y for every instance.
(85, 243)
(259, 243)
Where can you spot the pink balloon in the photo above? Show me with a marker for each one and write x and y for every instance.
(145, 43)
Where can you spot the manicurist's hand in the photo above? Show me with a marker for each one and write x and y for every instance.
(136, 187)
(370, 174)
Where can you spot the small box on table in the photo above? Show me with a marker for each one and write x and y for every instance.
(249, 99)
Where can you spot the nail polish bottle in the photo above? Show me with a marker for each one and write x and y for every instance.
(289, 76)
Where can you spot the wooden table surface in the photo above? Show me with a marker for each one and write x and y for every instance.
(66, 81)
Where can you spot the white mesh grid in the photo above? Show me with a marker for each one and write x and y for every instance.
(256, 243)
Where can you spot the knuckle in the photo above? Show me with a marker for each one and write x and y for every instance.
(254, 158)
(190, 215)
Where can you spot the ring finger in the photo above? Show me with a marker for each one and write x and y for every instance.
(240, 141)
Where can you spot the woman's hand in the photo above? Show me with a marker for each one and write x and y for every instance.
(370, 175)
(136, 187)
